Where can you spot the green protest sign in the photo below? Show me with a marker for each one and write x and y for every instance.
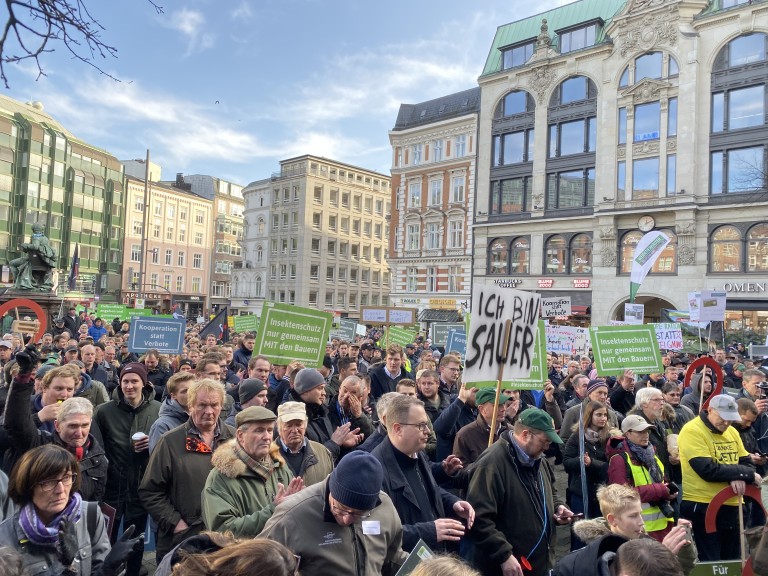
(287, 333)
(722, 568)
(539, 372)
(246, 323)
(400, 336)
(439, 332)
(111, 311)
(619, 348)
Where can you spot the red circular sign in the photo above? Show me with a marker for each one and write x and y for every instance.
(34, 306)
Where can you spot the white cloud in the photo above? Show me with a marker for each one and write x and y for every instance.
(242, 12)
(193, 26)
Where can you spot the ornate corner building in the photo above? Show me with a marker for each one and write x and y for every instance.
(602, 120)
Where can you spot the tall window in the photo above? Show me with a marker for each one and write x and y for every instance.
(433, 236)
(414, 194)
(521, 256)
(437, 150)
(456, 234)
(168, 257)
(436, 192)
(574, 189)
(431, 279)
(738, 170)
(417, 151)
(725, 250)
(181, 259)
(581, 254)
(513, 148)
(645, 178)
(498, 257)
(667, 261)
(757, 248)
(457, 189)
(460, 146)
(412, 234)
(555, 255)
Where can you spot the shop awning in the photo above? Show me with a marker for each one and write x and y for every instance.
(434, 315)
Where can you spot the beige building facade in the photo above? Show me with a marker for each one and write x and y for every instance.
(601, 121)
(433, 173)
(321, 235)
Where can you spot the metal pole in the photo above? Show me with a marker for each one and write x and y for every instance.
(142, 262)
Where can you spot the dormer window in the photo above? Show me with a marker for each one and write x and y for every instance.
(518, 55)
(573, 39)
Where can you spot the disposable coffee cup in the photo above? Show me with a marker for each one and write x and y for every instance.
(138, 437)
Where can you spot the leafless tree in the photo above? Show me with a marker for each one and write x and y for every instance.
(35, 27)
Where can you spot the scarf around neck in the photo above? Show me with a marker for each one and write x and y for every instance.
(48, 534)
(647, 457)
(263, 467)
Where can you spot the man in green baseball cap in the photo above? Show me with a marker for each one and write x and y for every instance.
(512, 481)
(472, 439)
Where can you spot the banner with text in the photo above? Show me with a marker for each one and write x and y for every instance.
(634, 313)
(618, 348)
(567, 340)
(287, 333)
(439, 331)
(457, 342)
(669, 335)
(712, 306)
(345, 330)
(486, 359)
(245, 323)
(539, 371)
(109, 312)
(166, 335)
(558, 306)
(395, 335)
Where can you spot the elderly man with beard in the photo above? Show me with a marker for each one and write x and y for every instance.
(249, 479)
(72, 426)
(308, 460)
(181, 461)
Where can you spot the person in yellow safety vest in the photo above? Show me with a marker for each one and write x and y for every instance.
(633, 461)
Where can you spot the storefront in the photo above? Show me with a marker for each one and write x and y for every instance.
(192, 305)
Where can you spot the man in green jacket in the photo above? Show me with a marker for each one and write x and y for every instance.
(248, 479)
(180, 463)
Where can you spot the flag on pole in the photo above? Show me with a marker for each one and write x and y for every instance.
(74, 271)
(218, 327)
(647, 251)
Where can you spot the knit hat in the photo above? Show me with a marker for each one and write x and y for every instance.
(44, 369)
(307, 379)
(249, 388)
(135, 368)
(595, 384)
(356, 481)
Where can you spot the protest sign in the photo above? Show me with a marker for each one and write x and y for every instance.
(287, 333)
(539, 372)
(487, 360)
(567, 340)
(246, 323)
(457, 341)
(694, 306)
(558, 306)
(166, 335)
(634, 313)
(439, 332)
(345, 330)
(419, 553)
(395, 335)
(108, 312)
(669, 335)
(719, 568)
(712, 306)
(618, 348)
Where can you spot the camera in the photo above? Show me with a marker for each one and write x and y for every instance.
(666, 509)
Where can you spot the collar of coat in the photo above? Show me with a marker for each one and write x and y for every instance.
(226, 461)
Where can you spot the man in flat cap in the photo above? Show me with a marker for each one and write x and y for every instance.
(249, 477)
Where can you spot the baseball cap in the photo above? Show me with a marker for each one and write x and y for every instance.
(726, 407)
(488, 395)
(539, 420)
(292, 411)
(5, 344)
(72, 349)
(366, 346)
(635, 423)
(255, 414)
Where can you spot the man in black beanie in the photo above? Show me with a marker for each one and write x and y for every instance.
(252, 392)
(344, 525)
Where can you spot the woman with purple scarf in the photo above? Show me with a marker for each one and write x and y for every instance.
(54, 531)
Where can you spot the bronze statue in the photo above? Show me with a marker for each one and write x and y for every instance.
(34, 269)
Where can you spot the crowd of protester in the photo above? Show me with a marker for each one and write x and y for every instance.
(233, 462)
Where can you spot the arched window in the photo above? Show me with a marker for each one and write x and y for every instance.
(516, 102)
(555, 255)
(258, 285)
(743, 50)
(757, 248)
(260, 226)
(666, 262)
(649, 65)
(581, 254)
(574, 89)
(725, 250)
(259, 254)
(498, 257)
(521, 255)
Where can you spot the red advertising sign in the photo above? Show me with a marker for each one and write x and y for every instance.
(546, 282)
(581, 283)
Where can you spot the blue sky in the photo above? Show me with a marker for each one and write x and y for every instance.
(230, 87)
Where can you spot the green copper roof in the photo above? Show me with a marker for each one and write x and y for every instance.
(557, 18)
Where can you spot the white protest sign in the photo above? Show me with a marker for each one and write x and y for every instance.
(694, 306)
(669, 335)
(634, 313)
(557, 306)
(567, 340)
(492, 306)
(712, 306)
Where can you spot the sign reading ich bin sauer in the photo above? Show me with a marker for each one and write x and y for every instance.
(166, 335)
(287, 333)
(539, 372)
(492, 306)
(618, 348)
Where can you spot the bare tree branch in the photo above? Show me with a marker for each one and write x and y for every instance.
(35, 26)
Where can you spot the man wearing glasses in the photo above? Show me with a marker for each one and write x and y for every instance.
(427, 511)
(450, 370)
(344, 525)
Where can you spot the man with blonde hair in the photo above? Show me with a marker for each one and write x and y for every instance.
(175, 477)
(173, 411)
(307, 459)
(72, 425)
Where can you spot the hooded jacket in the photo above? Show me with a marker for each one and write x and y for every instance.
(692, 400)
(171, 415)
(113, 425)
(237, 498)
(92, 390)
(619, 473)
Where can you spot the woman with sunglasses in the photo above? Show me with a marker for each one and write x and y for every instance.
(54, 530)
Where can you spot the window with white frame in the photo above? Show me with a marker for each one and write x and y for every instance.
(273, 247)
(417, 151)
(181, 258)
(433, 236)
(412, 236)
(457, 189)
(435, 192)
(179, 283)
(138, 228)
(437, 150)
(431, 279)
(197, 261)
(456, 234)
(460, 146)
(196, 285)
(454, 279)
(199, 217)
(411, 279)
(168, 257)
(199, 238)
(135, 253)
(414, 194)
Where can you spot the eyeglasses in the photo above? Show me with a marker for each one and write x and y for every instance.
(66, 481)
(349, 513)
(422, 426)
